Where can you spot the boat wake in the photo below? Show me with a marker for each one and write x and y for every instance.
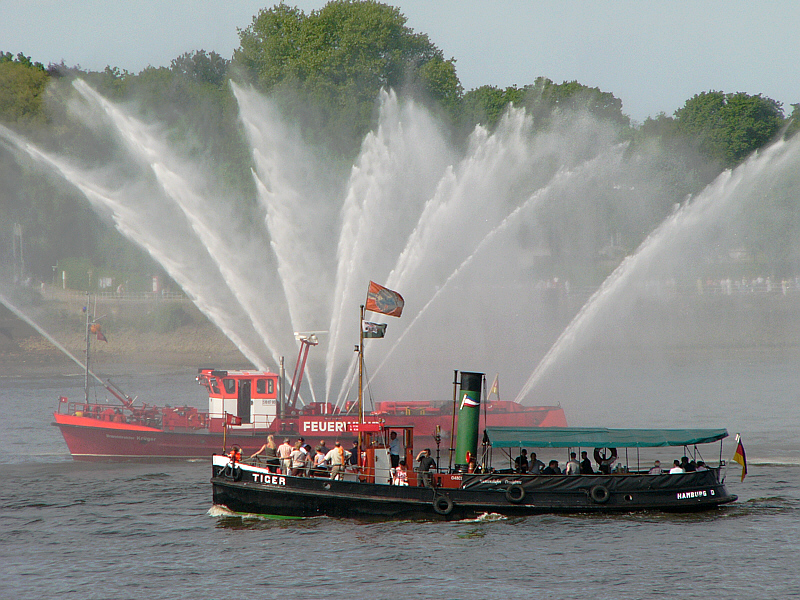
(229, 517)
(486, 518)
(773, 461)
(218, 510)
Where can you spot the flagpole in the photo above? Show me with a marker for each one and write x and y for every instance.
(361, 368)
(485, 404)
(453, 426)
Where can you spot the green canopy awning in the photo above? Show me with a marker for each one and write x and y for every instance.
(598, 437)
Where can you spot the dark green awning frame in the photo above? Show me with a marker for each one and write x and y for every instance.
(598, 437)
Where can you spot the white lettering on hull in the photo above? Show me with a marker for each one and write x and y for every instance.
(138, 438)
(698, 494)
(269, 479)
(324, 426)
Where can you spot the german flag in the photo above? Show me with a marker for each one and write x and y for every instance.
(739, 456)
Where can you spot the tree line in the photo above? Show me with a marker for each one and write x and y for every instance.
(325, 70)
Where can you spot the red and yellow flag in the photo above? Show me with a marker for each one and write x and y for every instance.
(739, 456)
(495, 389)
(96, 329)
(384, 300)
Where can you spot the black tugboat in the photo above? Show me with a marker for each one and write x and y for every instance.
(469, 487)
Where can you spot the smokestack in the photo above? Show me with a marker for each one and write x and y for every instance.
(469, 413)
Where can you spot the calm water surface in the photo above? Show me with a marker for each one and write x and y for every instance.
(76, 530)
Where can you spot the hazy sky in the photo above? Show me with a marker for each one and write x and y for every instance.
(654, 55)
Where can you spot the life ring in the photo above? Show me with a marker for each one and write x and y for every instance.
(443, 505)
(600, 494)
(515, 493)
(231, 472)
(599, 459)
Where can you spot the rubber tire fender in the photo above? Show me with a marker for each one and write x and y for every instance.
(599, 494)
(443, 505)
(515, 493)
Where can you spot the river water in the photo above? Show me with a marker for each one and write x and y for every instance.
(78, 530)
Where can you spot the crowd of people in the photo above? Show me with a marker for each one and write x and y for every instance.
(605, 464)
(300, 460)
(684, 465)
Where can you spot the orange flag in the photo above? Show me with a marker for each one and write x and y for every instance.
(384, 300)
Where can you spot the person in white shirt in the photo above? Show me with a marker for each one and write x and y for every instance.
(320, 466)
(285, 453)
(299, 456)
(676, 467)
(573, 466)
(400, 474)
(337, 458)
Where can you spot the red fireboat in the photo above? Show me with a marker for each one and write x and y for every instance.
(244, 407)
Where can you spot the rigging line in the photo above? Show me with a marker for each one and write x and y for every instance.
(369, 387)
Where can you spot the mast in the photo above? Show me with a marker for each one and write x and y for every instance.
(86, 372)
(361, 369)
(281, 384)
(306, 341)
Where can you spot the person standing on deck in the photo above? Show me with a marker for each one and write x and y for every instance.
(395, 449)
(285, 454)
(521, 462)
(353, 462)
(586, 464)
(426, 463)
(535, 466)
(298, 457)
(270, 450)
(337, 458)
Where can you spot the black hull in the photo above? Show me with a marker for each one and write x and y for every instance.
(511, 496)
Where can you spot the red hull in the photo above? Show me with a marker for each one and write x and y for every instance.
(93, 439)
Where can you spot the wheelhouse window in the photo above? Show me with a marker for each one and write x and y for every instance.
(230, 385)
(265, 386)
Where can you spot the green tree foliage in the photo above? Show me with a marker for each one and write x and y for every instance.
(729, 127)
(440, 82)
(543, 99)
(486, 104)
(203, 67)
(190, 101)
(22, 87)
(326, 69)
(336, 59)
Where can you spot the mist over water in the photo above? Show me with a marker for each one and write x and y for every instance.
(467, 236)
(695, 223)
